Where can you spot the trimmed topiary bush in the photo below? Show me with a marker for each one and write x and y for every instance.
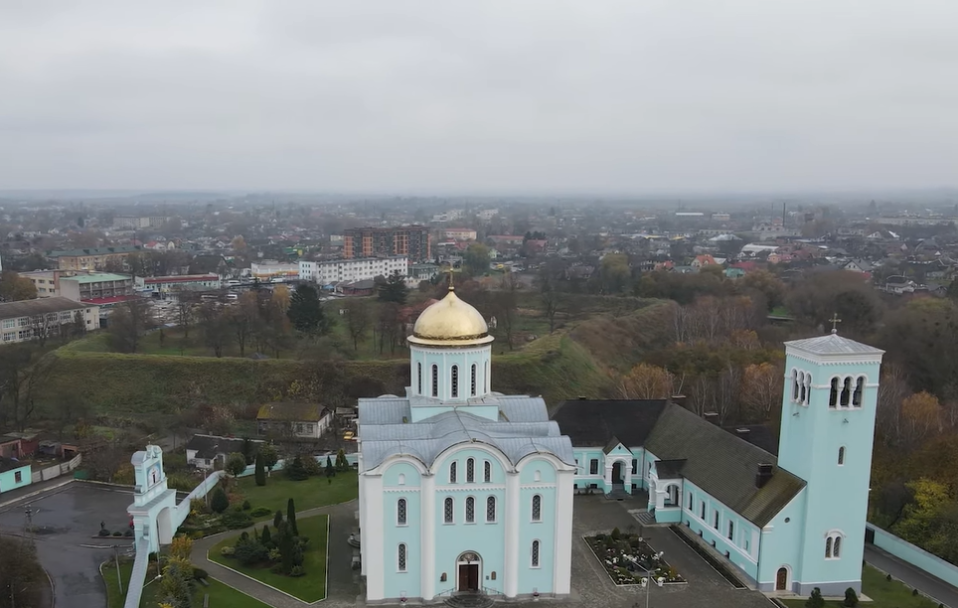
(219, 502)
(851, 598)
(246, 505)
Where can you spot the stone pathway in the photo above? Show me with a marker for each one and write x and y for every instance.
(342, 582)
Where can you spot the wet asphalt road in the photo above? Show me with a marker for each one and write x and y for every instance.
(66, 523)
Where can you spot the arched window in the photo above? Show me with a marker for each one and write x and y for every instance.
(473, 391)
(452, 471)
(491, 509)
(402, 557)
(455, 381)
(470, 470)
(401, 512)
(801, 387)
(419, 376)
(833, 545)
(859, 389)
(841, 456)
(833, 394)
(794, 385)
(535, 554)
(487, 471)
(536, 508)
(448, 511)
(846, 392)
(435, 380)
(807, 389)
(470, 510)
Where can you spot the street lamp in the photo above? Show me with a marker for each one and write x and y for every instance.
(649, 579)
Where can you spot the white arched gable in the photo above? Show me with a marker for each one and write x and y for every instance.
(389, 461)
(548, 457)
(496, 454)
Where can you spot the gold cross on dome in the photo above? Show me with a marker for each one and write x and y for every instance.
(449, 270)
(835, 321)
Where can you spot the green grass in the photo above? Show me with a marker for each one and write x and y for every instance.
(309, 588)
(884, 594)
(221, 595)
(308, 494)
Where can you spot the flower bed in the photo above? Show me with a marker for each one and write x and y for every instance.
(626, 559)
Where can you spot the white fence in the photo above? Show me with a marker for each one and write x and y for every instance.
(56, 470)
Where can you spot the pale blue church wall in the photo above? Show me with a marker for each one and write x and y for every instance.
(9, 481)
(422, 360)
(487, 539)
(916, 556)
(401, 480)
(537, 578)
(837, 495)
(742, 548)
(781, 546)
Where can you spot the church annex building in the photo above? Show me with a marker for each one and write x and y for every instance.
(465, 490)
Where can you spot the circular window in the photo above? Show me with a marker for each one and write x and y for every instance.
(788, 519)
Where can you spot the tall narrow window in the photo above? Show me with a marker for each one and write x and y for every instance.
(455, 381)
(435, 380)
(828, 547)
(715, 520)
(635, 466)
(419, 376)
(794, 385)
(487, 471)
(491, 509)
(536, 508)
(841, 456)
(846, 391)
(452, 471)
(833, 394)
(535, 554)
(859, 389)
(448, 511)
(470, 470)
(731, 529)
(801, 387)
(470, 510)
(837, 547)
(702, 512)
(473, 391)
(402, 558)
(594, 466)
(401, 512)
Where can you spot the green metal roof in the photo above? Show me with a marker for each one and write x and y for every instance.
(98, 277)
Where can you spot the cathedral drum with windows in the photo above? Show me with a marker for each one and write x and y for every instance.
(461, 489)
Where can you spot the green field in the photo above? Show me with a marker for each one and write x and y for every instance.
(883, 593)
(309, 588)
(308, 494)
(220, 595)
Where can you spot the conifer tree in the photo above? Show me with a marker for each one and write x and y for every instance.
(291, 517)
(260, 472)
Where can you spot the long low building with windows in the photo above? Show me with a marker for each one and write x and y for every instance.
(330, 272)
(772, 516)
(43, 318)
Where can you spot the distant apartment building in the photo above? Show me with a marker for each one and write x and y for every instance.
(95, 258)
(96, 285)
(721, 217)
(31, 319)
(409, 241)
(348, 271)
(137, 222)
(267, 271)
(460, 234)
(187, 282)
(47, 282)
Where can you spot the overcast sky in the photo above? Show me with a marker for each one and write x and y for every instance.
(482, 96)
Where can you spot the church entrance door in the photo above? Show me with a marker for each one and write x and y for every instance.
(781, 579)
(617, 473)
(468, 572)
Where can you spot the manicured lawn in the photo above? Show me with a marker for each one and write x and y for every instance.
(221, 596)
(307, 494)
(884, 594)
(309, 588)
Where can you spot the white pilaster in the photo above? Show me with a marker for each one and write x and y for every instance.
(510, 514)
(563, 536)
(427, 535)
(372, 539)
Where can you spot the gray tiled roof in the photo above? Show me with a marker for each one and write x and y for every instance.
(721, 464)
(383, 433)
(32, 308)
(833, 344)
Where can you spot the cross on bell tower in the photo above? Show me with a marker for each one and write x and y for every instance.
(451, 272)
(835, 321)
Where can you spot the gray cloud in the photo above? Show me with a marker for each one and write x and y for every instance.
(538, 95)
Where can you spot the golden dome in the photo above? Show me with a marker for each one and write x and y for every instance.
(450, 322)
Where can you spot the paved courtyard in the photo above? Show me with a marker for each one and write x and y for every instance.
(67, 520)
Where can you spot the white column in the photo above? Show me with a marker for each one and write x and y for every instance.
(609, 463)
(509, 512)
(427, 535)
(562, 556)
(628, 475)
(372, 538)
(362, 513)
